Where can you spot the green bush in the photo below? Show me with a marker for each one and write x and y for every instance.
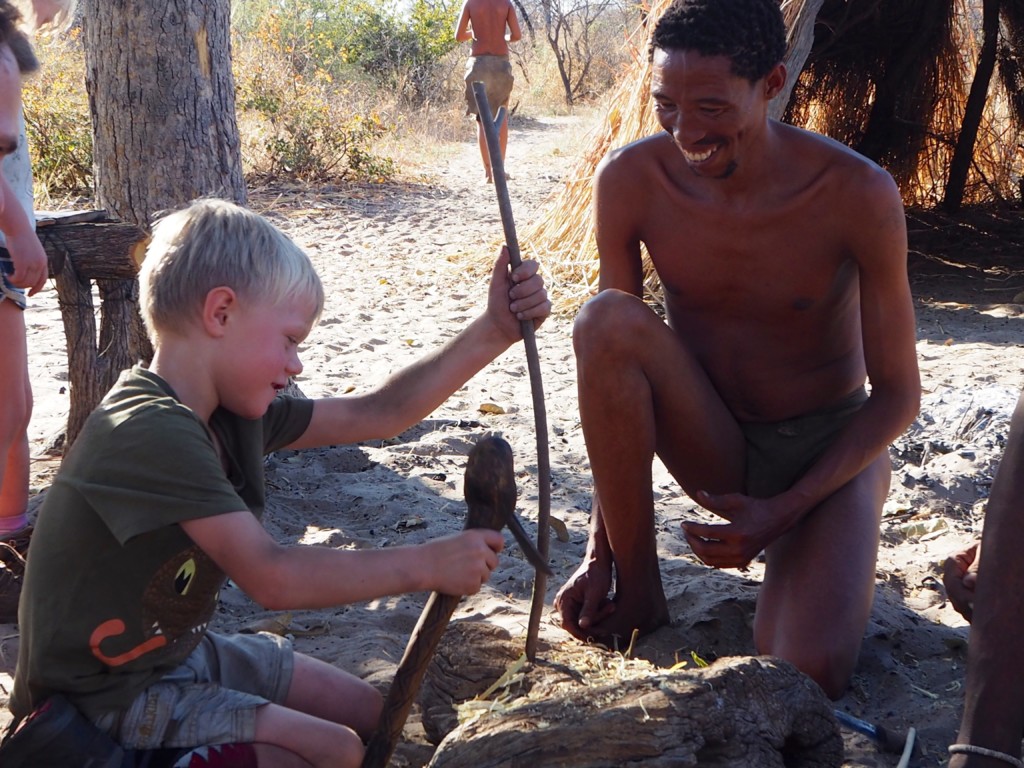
(401, 50)
(301, 125)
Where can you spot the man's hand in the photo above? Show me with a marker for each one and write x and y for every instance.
(960, 577)
(30, 265)
(516, 296)
(752, 526)
(583, 601)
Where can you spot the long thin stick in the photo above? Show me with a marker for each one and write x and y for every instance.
(490, 127)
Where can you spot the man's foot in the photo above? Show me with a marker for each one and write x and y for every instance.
(616, 631)
(589, 614)
(13, 551)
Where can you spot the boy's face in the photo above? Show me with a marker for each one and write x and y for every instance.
(261, 352)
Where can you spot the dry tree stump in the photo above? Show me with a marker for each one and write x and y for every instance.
(83, 248)
(583, 707)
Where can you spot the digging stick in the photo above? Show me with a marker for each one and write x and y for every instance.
(490, 127)
(490, 491)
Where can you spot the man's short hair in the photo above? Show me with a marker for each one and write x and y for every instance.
(12, 36)
(751, 33)
(214, 243)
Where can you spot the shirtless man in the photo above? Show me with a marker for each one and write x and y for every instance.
(993, 717)
(782, 255)
(485, 23)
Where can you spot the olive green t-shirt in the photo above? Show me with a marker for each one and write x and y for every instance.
(115, 593)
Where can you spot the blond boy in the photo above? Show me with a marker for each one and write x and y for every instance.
(159, 501)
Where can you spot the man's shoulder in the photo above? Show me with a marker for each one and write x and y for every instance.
(632, 160)
(825, 159)
(487, 6)
(811, 145)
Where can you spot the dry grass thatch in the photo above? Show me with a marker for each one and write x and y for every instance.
(888, 77)
(563, 239)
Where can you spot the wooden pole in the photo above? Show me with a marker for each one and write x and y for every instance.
(490, 127)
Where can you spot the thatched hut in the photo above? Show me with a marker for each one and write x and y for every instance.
(897, 80)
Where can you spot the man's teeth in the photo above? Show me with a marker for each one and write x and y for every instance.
(698, 157)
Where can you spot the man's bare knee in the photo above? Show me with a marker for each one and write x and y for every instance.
(609, 316)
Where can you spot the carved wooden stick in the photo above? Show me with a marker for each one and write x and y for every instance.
(490, 127)
(490, 491)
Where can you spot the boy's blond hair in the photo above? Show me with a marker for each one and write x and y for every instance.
(214, 243)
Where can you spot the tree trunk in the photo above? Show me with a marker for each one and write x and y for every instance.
(799, 41)
(960, 165)
(162, 98)
(571, 712)
(161, 94)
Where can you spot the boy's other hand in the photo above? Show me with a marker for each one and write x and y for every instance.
(462, 563)
(516, 296)
(30, 265)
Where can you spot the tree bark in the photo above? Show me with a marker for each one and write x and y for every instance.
(162, 98)
(81, 248)
(800, 40)
(758, 712)
(161, 95)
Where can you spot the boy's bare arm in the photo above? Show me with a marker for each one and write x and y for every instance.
(413, 393)
(280, 577)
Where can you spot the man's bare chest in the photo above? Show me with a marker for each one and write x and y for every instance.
(751, 266)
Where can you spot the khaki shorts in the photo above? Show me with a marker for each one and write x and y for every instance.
(780, 453)
(210, 699)
(495, 72)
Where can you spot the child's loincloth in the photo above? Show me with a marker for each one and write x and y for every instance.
(495, 72)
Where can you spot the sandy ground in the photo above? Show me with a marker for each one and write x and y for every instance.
(394, 261)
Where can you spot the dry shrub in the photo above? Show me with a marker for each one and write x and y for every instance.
(58, 124)
(306, 127)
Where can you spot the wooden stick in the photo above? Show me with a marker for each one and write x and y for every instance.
(490, 490)
(490, 127)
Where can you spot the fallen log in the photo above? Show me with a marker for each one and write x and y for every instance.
(589, 708)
